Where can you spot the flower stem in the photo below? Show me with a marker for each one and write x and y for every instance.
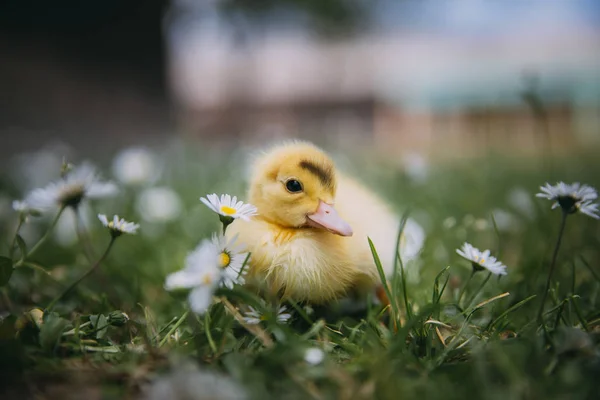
(462, 291)
(479, 290)
(84, 239)
(12, 245)
(226, 221)
(552, 265)
(173, 328)
(43, 239)
(211, 341)
(404, 291)
(82, 277)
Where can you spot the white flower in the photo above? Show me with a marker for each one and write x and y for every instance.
(82, 182)
(201, 274)
(520, 199)
(411, 240)
(416, 167)
(135, 166)
(231, 260)
(186, 381)
(158, 204)
(572, 198)
(176, 336)
(590, 209)
(20, 206)
(118, 226)
(505, 221)
(254, 317)
(449, 223)
(65, 231)
(314, 356)
(23, 208)
(228, 206)
(468, 220)
(282, 315)
(481, 260)
(481, 224)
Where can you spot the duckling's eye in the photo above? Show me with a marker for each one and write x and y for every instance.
(293, 186)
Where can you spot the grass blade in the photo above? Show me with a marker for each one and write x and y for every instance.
(386, 288)
(509, 310)
(397, 250)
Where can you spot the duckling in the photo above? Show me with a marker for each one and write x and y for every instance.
(309, 240)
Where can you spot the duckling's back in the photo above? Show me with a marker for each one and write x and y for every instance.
(370, 217)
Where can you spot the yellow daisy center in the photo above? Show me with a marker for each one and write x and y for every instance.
(481, 260)
(224, 260)
(207, 279)
(228, 210)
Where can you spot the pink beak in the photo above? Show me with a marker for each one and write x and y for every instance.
(327, 218)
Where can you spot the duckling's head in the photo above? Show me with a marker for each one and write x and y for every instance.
(294, 185)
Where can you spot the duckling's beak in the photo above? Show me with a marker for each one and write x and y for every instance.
(327, 218)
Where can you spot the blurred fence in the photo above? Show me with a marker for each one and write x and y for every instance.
(411, 76)
(531, 84)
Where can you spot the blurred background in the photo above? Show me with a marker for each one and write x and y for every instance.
(167, 96)
(456, 111)
(158, 93)
(436, 78)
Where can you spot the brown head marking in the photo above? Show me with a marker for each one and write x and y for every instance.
(325, 175)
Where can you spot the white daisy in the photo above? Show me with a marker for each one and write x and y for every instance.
(572, 198)
(505, 221)
(20, 206)
(186, 380)
(228, 206)
(416, 167)
(23, 208)
(411, 240)
(201, 274)
(314, 356)
(136, 166)
(520, 200)
(449, 223)
(159, 204)
(590, 209)
(118, 226)
(481, 260)
(254, 317)
(231, 260)
(79, 183)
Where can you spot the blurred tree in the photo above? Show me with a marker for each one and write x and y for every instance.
(126, 35)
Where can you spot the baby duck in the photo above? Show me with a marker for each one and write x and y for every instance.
(309, 239)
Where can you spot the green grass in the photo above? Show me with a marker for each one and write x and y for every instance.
(488, 346)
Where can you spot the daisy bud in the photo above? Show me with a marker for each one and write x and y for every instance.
(117, 318)
(65, 168)
(118, 226)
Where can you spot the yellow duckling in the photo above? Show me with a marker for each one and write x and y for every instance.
(309, 240)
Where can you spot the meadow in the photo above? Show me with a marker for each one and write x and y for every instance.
(79, 321)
